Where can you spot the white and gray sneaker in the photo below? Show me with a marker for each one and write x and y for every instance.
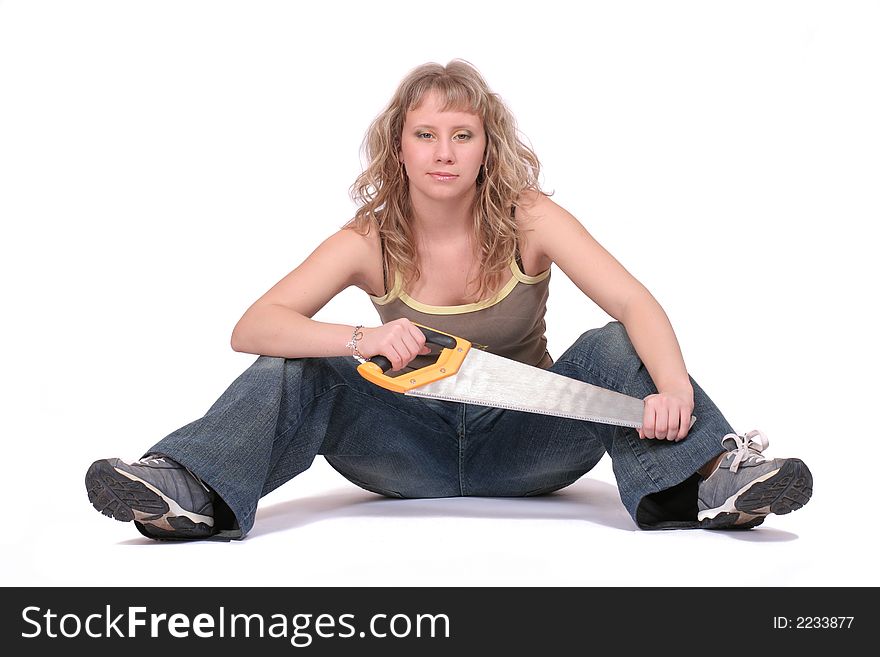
(746, 486)
(163, 498)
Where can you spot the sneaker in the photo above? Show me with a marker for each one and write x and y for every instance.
(165, 500)
(746, 486)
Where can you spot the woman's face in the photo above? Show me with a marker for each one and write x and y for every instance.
(442, 151)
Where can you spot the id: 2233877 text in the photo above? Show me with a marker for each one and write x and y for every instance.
(813, 622)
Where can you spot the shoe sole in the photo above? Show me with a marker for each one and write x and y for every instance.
(779, 492)
(735, 521)
(118, 497)
(788, 490)
(122, 498)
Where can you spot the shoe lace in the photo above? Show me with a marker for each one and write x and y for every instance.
(151, 459)
(748, 448)
(147, 460)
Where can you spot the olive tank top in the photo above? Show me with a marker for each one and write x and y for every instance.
(510, 323)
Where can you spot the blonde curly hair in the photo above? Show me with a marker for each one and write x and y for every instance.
(510, 167)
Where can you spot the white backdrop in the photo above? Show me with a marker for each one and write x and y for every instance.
(162, 164)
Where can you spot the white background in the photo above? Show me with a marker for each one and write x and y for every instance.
(162, 164)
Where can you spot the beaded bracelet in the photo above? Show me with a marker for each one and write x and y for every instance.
(352, 344)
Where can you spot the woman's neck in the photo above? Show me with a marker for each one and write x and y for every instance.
(435, 220)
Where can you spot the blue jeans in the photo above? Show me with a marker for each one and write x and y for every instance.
(273, 420)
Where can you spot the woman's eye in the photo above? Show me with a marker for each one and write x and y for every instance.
(458, 137)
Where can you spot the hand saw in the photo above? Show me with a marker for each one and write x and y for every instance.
(463, 373)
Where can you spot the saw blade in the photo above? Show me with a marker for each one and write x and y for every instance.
(486, 379)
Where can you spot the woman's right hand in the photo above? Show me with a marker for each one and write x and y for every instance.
(399, 341)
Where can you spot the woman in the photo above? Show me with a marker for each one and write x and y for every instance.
(452, 232)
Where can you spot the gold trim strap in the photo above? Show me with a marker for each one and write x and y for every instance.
(518, 277)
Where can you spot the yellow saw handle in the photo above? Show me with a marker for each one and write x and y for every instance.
(447, 363)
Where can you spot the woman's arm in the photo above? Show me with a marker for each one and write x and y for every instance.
(558, 236)
(279, 322)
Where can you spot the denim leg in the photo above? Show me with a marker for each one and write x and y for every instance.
(273, 420)
(514, 453)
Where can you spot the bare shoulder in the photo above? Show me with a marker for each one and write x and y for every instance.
(543, 223)
(349, 240)
(556, 236)
(362, 254)
(536, 210)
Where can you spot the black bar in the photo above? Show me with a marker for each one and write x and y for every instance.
(519, 620)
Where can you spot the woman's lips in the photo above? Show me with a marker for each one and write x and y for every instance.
(443, 177)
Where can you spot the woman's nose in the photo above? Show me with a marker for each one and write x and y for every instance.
(443, 153)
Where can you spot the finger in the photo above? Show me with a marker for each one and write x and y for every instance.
(672, 426)
(409, 347)
(648, 423)
(417, 341)
(417, 335)
(685, 425)
(395, 357)
(661, 425)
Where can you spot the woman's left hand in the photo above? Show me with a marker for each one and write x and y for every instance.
(667, 415)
